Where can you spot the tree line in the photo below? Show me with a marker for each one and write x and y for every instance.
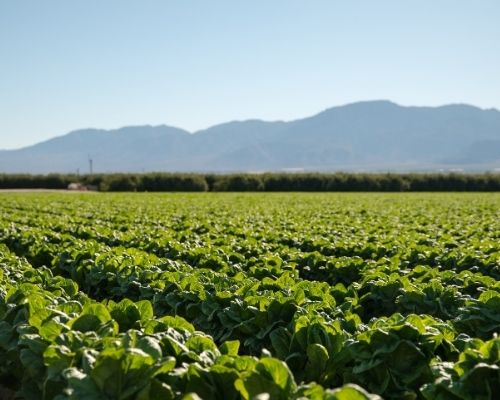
(268, 182)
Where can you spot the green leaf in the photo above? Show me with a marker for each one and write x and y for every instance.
(177, 323)
(86, 323)
(156, 390)
(280, 340)
(82, 386)
(51, 329)
(230, 347)
(120, 373)
(271, 376)
(126, 313)
(150, 346)
(145, 310)
(350, 392)
(91, 318)
(317, 358)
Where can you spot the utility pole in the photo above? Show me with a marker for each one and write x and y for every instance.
(90, 165)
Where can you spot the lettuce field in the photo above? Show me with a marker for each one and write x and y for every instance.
(250, 296)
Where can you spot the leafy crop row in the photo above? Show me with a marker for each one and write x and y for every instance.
(236, 296)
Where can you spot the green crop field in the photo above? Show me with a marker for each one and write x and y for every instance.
(250, 296)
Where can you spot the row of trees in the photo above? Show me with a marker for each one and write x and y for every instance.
(357, 182)
(27, 181)
(269, 182)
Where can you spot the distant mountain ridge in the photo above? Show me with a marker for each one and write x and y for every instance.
(363, 136)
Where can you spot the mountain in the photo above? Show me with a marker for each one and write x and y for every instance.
(364, 136)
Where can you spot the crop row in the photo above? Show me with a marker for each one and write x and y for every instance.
(57, 342)
(409, 315)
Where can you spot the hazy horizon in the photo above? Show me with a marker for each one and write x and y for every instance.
(194, 65)
(167, 124)
(375, 135)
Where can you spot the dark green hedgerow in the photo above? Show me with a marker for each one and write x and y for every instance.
(268, 182)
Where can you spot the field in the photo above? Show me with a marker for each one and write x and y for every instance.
(252, 296)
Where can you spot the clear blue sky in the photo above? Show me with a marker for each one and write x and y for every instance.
(66, 65)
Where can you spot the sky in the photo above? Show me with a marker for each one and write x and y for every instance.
(66, 65)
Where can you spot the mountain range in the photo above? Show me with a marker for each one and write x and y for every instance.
(363, 136)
